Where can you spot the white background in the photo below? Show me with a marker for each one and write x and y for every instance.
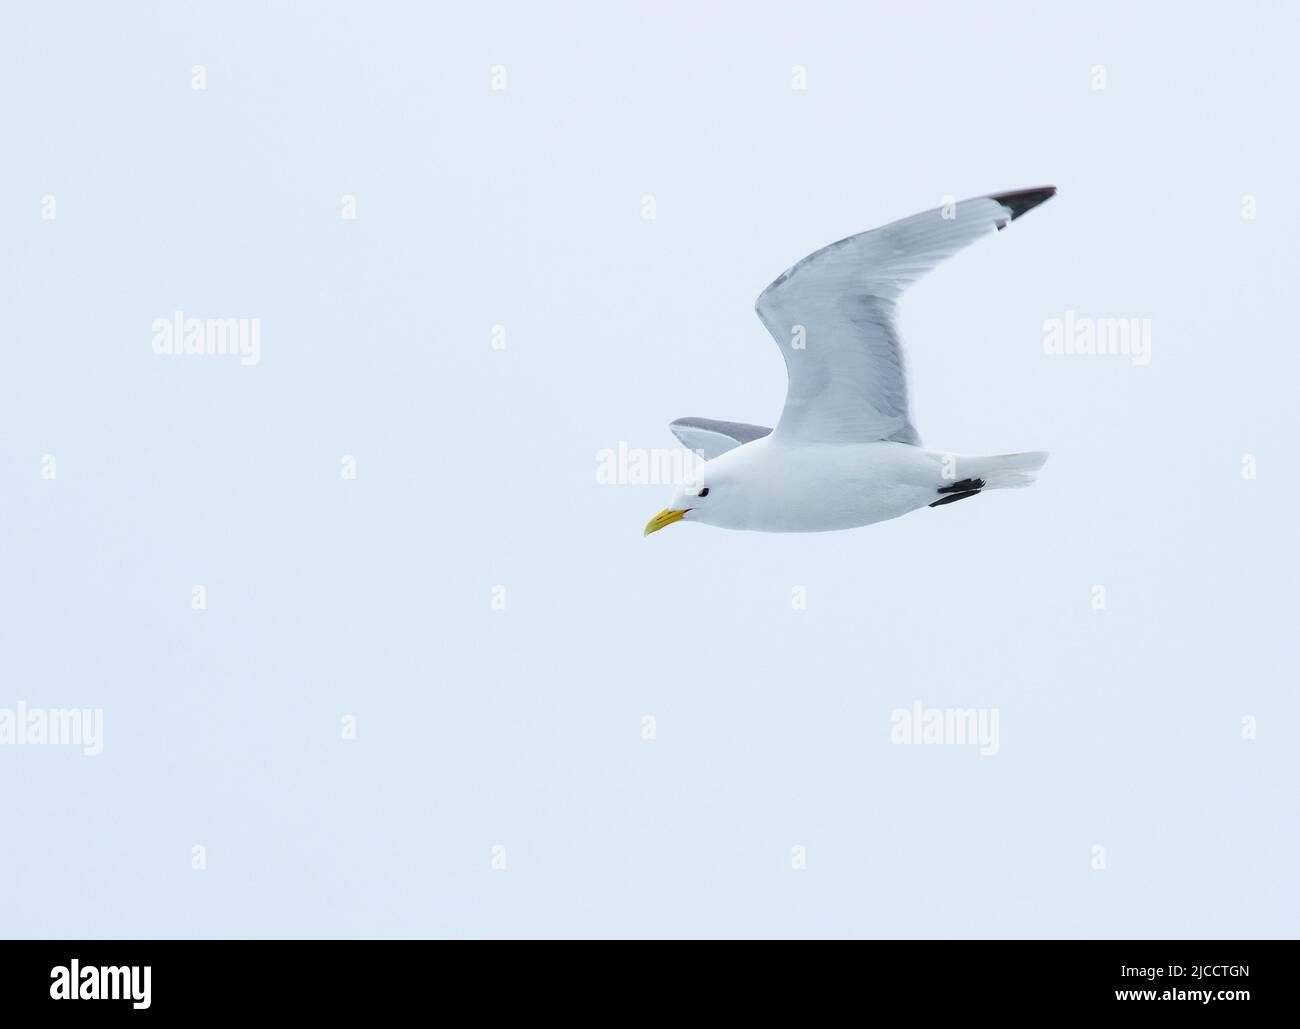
(522, 728)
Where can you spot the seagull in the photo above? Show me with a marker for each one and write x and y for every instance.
(845, 452)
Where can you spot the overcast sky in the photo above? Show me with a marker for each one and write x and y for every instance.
(377, 653)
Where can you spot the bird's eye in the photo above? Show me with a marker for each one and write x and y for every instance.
(704, 492)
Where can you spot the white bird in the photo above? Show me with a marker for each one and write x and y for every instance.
(845, 452)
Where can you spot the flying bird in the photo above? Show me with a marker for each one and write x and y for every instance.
(845, 452)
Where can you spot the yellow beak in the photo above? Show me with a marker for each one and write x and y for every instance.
(664, 517)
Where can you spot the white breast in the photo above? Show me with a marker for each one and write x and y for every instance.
(771, 486)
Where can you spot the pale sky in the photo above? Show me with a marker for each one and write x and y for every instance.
(484, 615)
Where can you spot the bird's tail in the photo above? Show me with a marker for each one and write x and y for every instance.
(1003, 471)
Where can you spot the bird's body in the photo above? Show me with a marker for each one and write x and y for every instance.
(845, 452)
(820, 487)
(817, 488)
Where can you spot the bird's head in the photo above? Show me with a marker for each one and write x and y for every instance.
(700, 500)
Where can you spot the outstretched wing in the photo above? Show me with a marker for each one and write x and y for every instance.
(834, 316)
(711, 437)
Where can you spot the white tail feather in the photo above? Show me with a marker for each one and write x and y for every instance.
(1003, 471)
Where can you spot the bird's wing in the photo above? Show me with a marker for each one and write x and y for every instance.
(711, 437)
(834, 316)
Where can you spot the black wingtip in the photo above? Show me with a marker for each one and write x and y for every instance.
(1021, 200)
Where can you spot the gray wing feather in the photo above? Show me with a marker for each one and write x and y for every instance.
(834, 316)
(712, 437)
